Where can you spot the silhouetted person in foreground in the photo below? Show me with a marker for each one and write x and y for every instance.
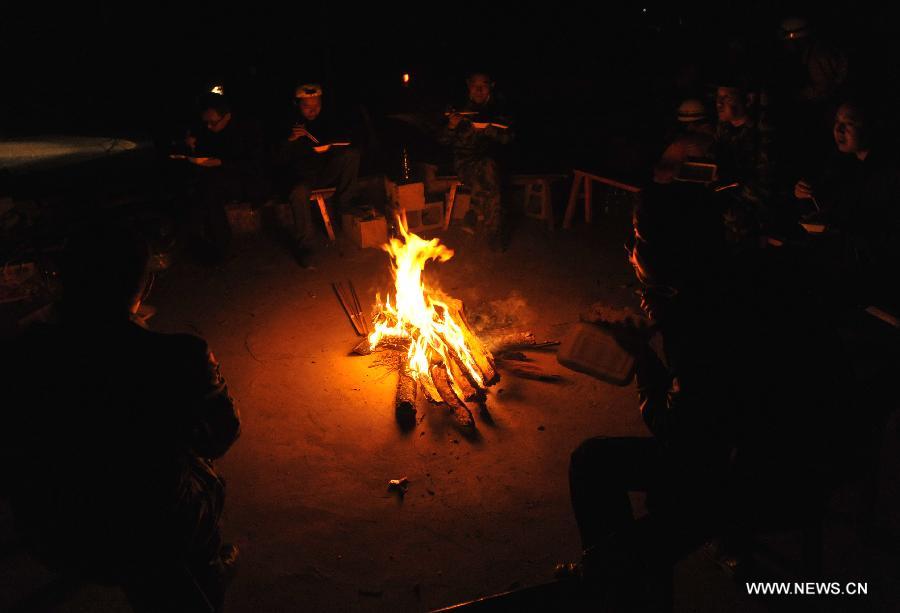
(741, 405)
(109, 432)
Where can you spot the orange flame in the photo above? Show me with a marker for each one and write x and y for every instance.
(420, 315)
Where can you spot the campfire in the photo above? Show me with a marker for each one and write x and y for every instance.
(439, 351)
(429, 340)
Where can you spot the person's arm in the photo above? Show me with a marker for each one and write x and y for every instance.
(215, 423)
(448, 134)
(249, 152)
(502, 136)
(654, 383)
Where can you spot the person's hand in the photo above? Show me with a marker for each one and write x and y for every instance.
(206, 162)
(632, 332)
(298, 131)
(453, 120)
(803, 190)
(190, 142)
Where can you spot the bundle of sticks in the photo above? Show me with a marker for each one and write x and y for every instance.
(447, 382)
(350, 303)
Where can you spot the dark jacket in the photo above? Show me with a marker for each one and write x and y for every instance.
(328, 128)
(239, 145)
(859, 202)
(104, 426)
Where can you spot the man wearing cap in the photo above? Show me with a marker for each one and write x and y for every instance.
(477, 131)
(692, 140)
(318, 154)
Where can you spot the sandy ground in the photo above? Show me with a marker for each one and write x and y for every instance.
(308, 499)
(309, 504)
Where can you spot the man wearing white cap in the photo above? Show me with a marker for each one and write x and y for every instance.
(692, 140)
(319, 154)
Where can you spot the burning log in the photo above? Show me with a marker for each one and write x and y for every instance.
(466, 390)
(461, 412)
(405, 404)
(430, 390)
(439, 349)
(482, 356)
(512, 341)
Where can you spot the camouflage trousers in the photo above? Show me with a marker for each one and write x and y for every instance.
(482, 177)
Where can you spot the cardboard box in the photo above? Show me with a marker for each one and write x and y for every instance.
(366, 232)
(461, 204)
(408, 196)
(242, 218)
(429, 218)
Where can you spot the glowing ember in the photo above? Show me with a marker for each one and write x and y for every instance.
(432, 324)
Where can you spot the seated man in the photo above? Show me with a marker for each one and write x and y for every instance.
(855, 196)
(692, 141)
(740, 431)
(741, 150)
(318, 154)
(228, 155)
(109, 433)
(476, 131)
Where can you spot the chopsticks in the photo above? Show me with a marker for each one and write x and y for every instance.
(350, 303)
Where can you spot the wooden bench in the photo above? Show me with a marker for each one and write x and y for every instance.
(536, 186)
(319, 196)
(586, 179)
(245, 219)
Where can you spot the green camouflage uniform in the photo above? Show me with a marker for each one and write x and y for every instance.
(475, 160)
(743, 155)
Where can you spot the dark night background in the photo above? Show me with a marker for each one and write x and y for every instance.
(592, 86)
(576, 76)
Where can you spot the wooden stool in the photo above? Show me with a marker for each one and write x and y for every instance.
(537, 186)
(586, 178)
(451, 199)
(319, 195)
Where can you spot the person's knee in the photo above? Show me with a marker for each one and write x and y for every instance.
(346, 156)
(300, 193)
